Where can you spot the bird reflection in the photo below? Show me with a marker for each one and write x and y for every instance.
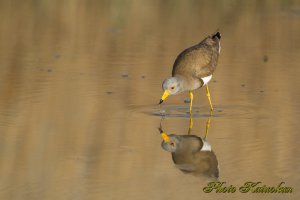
(190, 153)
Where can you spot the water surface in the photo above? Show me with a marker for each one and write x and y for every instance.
(80, 83)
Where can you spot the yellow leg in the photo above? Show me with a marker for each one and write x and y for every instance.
(190, 125)
(208, 96)
(191, 99)
(207, 126)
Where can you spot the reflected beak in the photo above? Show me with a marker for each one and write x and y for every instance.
(165, 137)
(164, 96)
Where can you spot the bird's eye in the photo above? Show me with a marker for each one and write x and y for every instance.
(172, 88)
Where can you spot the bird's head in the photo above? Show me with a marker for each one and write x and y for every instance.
(170, 86)
(170, 143)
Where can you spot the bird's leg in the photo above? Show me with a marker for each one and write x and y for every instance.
(191, 105)
(191, 101)
(190, 125)
(207, 126)
(208, 96)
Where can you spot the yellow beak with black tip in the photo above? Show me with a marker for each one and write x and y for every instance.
(165, 137)
(164, 96)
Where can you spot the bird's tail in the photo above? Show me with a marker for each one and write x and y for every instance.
(216, 35)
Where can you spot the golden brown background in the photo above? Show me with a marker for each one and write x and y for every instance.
(80, 82)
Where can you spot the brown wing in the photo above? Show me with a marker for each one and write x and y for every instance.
(198, 61)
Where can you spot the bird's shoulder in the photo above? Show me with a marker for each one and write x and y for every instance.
(194, 61)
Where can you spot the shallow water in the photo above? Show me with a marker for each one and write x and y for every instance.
(80, 83)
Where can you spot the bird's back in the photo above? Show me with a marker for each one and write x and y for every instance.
(199, 60)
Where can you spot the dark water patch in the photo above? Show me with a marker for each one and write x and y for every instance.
(124, 75)
(176, 111)
(187, 100)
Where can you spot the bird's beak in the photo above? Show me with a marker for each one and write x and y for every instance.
(164, 96)
(165, 137)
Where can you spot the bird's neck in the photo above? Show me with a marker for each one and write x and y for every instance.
(181, 79)
(191, 83)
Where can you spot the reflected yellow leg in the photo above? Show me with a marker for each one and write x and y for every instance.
(207, 126)
(191, 99)
(190, 125)
(208, 96)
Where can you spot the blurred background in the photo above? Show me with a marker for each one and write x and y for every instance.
(80, 82)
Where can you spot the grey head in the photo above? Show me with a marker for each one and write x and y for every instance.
(173, 84)
(173, 144)
(182, 144)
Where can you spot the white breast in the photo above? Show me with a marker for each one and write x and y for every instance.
(206, 79)
(206, 146)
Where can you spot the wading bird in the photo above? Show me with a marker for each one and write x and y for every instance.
(193, 69)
